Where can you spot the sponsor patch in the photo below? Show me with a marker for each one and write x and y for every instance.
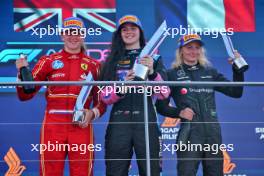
(124, 62)
(184, 91)
(57, 64)
(84, 66)
(121, 75)
(201, 90)
(57, 75)
(208, 76)
(181, 73)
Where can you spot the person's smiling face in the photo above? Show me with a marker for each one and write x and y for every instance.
(130, 34)
(191, 53)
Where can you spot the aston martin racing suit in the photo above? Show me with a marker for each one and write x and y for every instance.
(61, 100)
(201, 99)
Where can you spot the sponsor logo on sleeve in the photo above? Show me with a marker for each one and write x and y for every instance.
(57, 64)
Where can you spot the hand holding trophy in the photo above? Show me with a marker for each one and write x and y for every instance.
(80, 116)
(142, 65)
(148, 62)
(236, 59)
(87, 118)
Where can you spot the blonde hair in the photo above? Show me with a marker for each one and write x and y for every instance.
(84, 48)
(202, 60)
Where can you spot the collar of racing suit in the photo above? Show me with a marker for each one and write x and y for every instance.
(133, 51)
(191, 67)
(72, 56)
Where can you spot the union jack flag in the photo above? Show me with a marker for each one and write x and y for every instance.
(40, 13)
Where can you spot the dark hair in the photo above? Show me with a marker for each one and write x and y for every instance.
(117, 53)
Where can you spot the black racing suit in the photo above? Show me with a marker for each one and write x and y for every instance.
(125, 131)
(201, 99)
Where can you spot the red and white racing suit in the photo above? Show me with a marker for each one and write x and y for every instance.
(57, 125)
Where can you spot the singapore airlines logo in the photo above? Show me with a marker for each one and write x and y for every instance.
(170, 122)
(14, 163)
(228, 165)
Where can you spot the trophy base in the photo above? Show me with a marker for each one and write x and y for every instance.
(242, 69)
(240, 65)
(78, 116)
(141, 71)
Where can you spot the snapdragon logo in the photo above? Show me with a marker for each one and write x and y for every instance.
(82, 148)
(214, 32)
(116, 89)
(50, 31)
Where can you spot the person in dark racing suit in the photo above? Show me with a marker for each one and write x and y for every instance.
(125, 132)
(195, 104)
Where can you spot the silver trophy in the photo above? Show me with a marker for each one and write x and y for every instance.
(141, 71)
(239, 63)
(79, 114)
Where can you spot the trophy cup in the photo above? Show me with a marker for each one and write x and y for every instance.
(141, 71)
(26, 75)
(239, 63)
(79, 114)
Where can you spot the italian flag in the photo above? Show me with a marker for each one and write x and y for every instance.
(222, 14)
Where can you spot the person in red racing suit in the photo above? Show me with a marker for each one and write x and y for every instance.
(71, 64)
